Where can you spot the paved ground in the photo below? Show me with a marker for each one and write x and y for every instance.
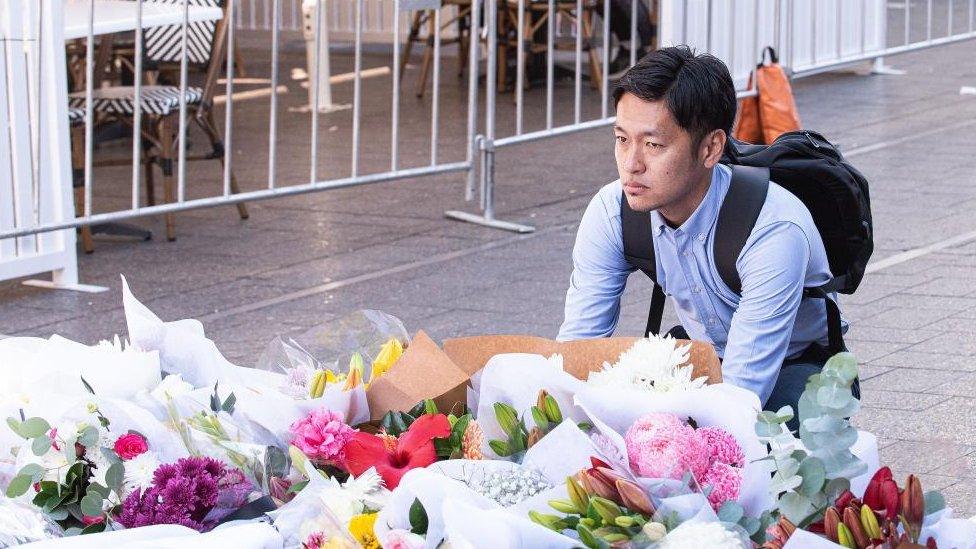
(305, 260)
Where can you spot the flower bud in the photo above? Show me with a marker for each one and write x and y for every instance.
(844, 537)
(624, 521)
(596, 486)
(535, 435)
(607, 509)
(655, 531)
(870, 523)
(831, 520)
(564, 506)
(913, 506)
(853, 523)
(507, 418)
(551, 522)
(634, 498)
(540, 418)
(577, 495)
(540, 401)
(552, 410)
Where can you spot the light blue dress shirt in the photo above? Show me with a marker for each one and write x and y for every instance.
(753, 333)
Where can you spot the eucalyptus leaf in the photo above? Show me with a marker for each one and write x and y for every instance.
(18, 486)
(41, 445)
(730, 511)
(784, 414)
(33, 470)
(91, 504)
(796, 507)
(115, 475)
(88, 437)
(934, 502)
(814, 475)
(15, 426)
(844, 364)
(58, 514)
(34, 427)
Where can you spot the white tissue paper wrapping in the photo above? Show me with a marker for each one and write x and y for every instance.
(251, 535)
(516, 379)
(734, 409)
(443, 486)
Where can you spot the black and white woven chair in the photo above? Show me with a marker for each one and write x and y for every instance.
(160, 103)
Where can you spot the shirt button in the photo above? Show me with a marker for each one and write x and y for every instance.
(686, 254)
(711, 321)
(701, 237)
(697, 289)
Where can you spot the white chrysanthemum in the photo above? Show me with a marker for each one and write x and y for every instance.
(692, 535)
(652, 364)
(171, 386)
(139, 471)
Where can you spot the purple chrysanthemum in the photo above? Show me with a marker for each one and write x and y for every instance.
(186, 493)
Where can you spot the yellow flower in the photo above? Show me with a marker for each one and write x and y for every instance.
(355, 376)
(336, 542)
(361, 528)
(390, 352)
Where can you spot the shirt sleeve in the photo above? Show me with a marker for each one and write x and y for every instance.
(599, 273)
(772, 269)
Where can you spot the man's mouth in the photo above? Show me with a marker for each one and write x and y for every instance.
(634, 187)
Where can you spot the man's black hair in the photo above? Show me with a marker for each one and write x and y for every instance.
(697, 89)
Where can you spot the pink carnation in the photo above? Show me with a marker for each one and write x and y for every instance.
(322, 435)
(725, 481)
(722, 446)
(662, 446)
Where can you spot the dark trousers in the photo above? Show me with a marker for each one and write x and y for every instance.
(792, 379)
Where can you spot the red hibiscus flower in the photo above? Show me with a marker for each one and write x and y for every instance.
(412, 449)
(130, 445)
(882, 493)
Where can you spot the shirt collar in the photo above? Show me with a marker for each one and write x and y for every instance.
(705, 214)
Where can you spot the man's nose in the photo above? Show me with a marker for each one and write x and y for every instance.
(633, 162)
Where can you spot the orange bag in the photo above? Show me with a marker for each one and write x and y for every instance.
(773, 112)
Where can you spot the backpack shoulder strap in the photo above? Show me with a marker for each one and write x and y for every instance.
(736, 219)
(638, 241)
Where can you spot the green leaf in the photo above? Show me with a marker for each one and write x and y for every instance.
(730, 511)
(750, 525)
(784, 414)
(844, 365)
(795, 506)
(115, 475)
(934, 502)
(500, 447)
(58, 514)
(93, 528)
(228, 405)
(814, 475)
(18, 486)
(41, 445)
(15, 426)
(33, 470)
(430, 407)
(418, 518)
(88, 387)
(767, 430)
(89, 436)
(297, 487)
(34, 427)
(540, 418)
(91, 504)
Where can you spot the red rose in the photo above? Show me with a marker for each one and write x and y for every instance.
(130, 445)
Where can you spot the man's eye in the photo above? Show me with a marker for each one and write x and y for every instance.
(654, 145)
(620, 138)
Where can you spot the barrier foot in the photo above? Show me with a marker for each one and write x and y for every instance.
(492, 223)
(879, 67)
(51, 285)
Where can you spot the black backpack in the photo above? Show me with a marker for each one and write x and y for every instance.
(810, 167)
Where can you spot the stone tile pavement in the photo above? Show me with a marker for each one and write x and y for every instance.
(305, 260)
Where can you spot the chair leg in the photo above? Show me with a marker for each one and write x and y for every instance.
(464, 34)
(596, 72)
(411, 38)
(166, 164)
(147, 170)
(428, 54)
(77, 169)
(238, 62)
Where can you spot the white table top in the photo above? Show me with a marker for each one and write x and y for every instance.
(120, 16)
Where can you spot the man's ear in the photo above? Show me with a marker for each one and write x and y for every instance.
(711, 148)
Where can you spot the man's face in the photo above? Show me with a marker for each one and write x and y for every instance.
(655, 158)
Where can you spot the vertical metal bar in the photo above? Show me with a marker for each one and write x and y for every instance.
(578, 88)
(791, 32)
(520, 68)
(952, 8)
(435, 107)
(550, 68)
(604, 92)
(908, 22)
(491, 85)
(708, 26)
(273, 122)
(684, 22)
(928, 24)
(633, 32)
(755, 31)
(37, 136)
(89, 113)
(970, 15)
(731, 42)
(474, 50)
(229, 108)
(181, 142)
(357, 88)
(317, 63)
(813, 32)
(863, 29)
(777, 31)
(137, 111)
(395, 118)
(840, 29)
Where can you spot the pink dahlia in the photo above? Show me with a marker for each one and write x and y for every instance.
(722, 446)
(662, 446)
(322, 435)
(725, 481)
